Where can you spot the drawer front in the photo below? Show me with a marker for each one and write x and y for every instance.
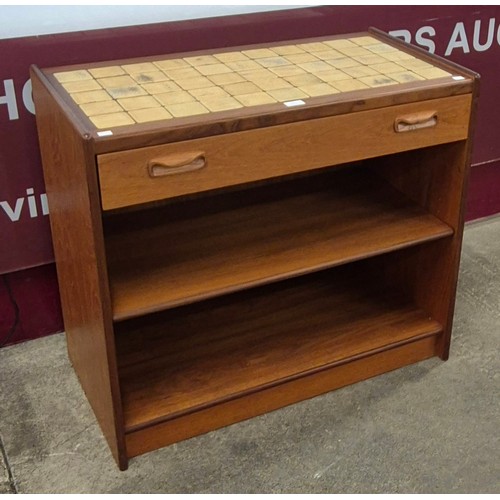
(159, 172)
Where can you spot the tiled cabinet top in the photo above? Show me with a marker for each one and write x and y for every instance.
(288, 74)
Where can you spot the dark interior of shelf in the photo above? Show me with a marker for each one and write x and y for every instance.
(200, 248)
(184, 359)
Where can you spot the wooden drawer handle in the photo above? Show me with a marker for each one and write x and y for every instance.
(415, 121)
(176, 164)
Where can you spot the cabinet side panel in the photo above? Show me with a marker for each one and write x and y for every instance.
(78, 247)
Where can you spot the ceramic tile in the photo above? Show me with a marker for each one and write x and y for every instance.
(195, 83)
(179, 97)
(258, 74)
(414, 63)
(144, 67)
(301, 58)
(430, 73)
(406, 76)
(396, 56)
(255, 99)
(378, 81)
(289, 70)
(116, 81)
(209, 92)
(349, 85)
(315, 66)
(381, 48)
(142, 102)
(220, 103)
(332, 75)
(285, 50)
(258, 53)
(313, 46)
(181, 73)
(81, 86)
(354, 51)
(101, 108)
(112, 120)
(130, 91)
(106, 71)
(243, 65)
(290, 94)
(302, 80)
(319, 89)
(340, 44)
(328, 54)
(150, 115)
(364, 40)
(270, 62)
(151, 77)
(360, 71)
(236, 89)
(345, 62)
(226, 78)
(231, 57)
(273, 84)
(160, 87)
(171, 64)
(197, 61)
(214, 69)
(73, 76)
(187, 109)
(387, 67)
(370, 59)
(91, 96)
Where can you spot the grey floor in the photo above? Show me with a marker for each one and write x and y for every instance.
(429, 428)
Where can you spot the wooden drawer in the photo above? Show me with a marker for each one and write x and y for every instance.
(158, 172)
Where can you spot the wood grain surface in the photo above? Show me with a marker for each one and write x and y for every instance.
(269, 152)
(222, 253)
(207, 247)
(436, 179)
(71, 183)
(197, 356)
(257, 403)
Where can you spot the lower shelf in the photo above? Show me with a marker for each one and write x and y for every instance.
(272, 398)
(195, 357)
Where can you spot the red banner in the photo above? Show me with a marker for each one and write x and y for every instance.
(468, 35)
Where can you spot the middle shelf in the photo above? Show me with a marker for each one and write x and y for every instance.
(195, 249)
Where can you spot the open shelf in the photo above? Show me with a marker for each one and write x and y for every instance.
(197, 356)
(201, 248)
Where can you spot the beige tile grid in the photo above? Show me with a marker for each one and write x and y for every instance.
(150, 91)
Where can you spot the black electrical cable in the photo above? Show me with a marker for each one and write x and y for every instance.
(15, 308)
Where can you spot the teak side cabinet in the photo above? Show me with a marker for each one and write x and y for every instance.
(239, 229)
